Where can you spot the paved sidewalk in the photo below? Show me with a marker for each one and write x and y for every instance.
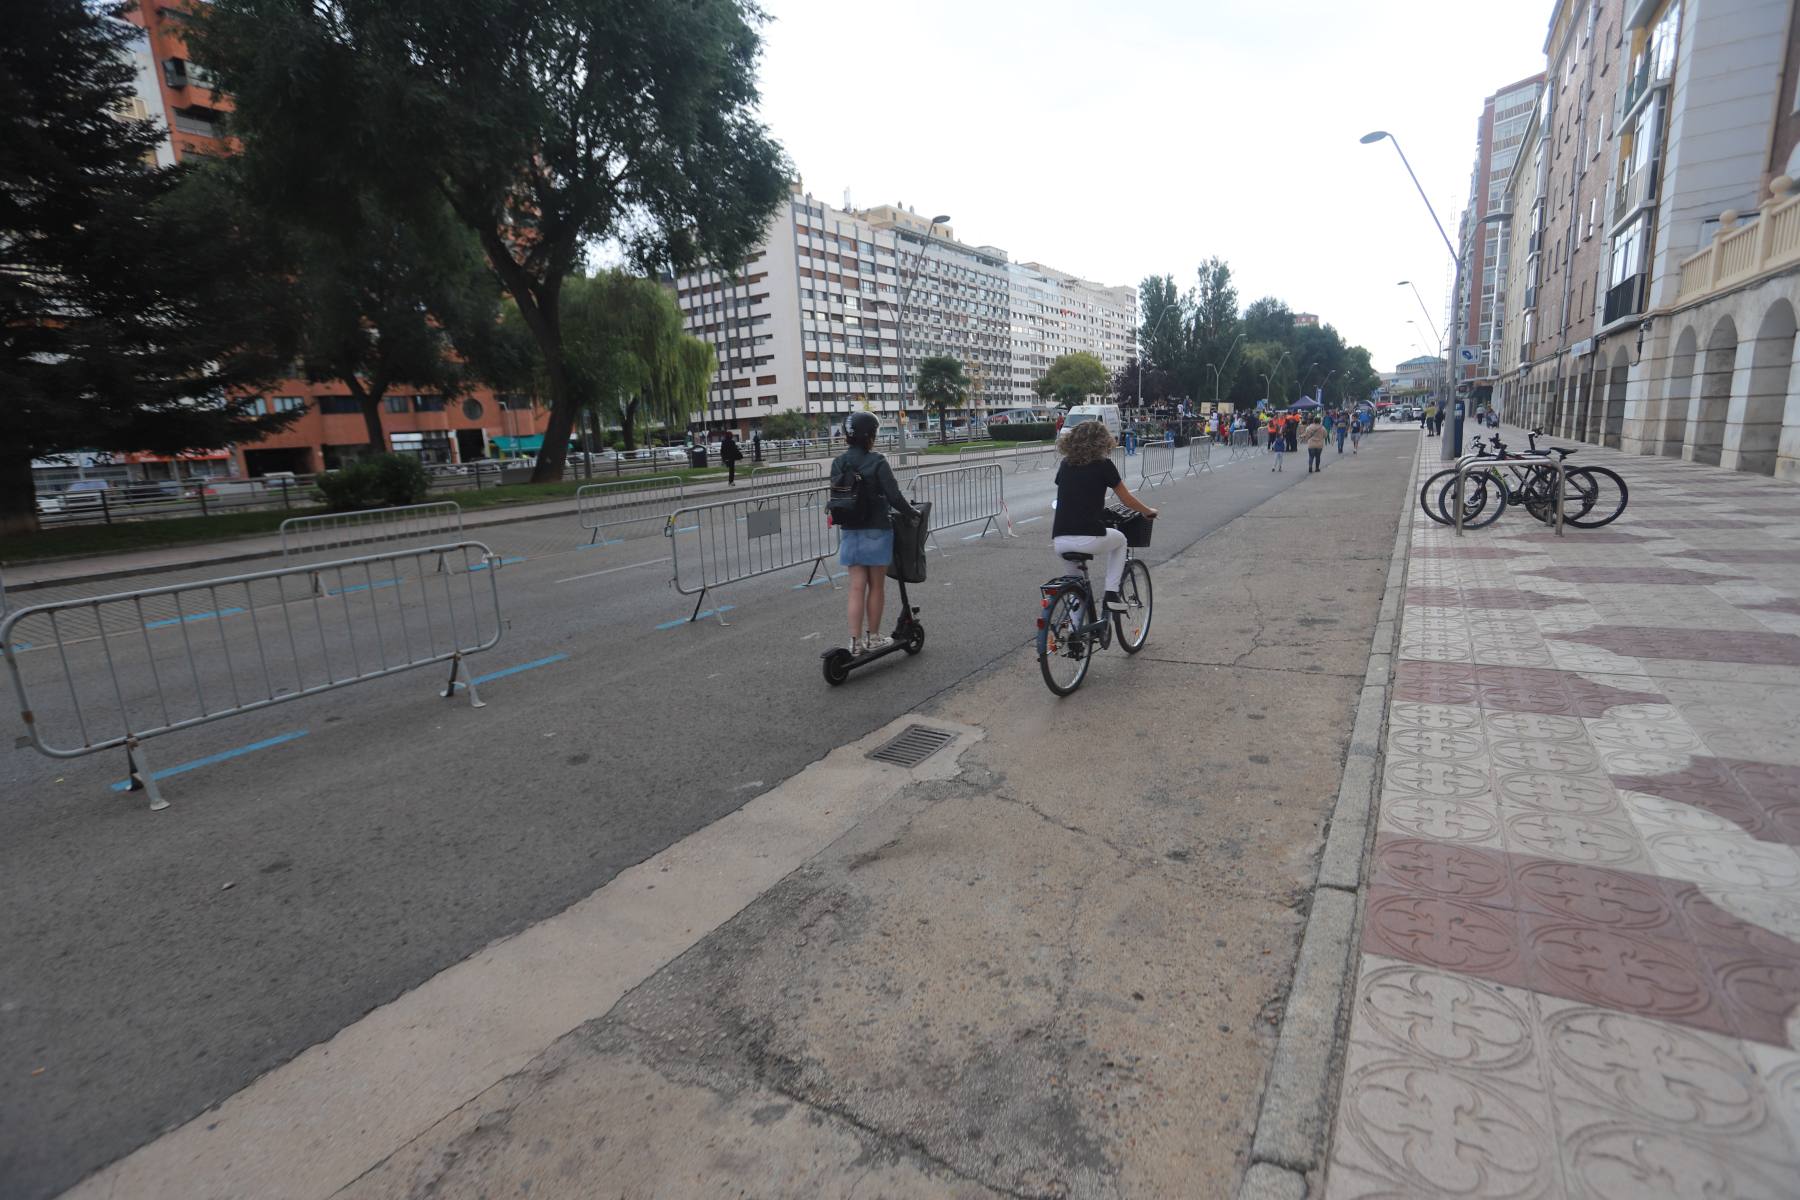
(1581, 934)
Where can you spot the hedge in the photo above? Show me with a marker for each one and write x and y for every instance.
(1023, 431)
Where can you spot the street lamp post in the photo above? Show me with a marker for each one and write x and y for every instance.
(1140, 355)
(1300, 381)
(1452, 443)
(1434, 329)
(912, 388)
(1220, 369)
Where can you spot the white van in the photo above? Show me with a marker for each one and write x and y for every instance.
(1106, 414)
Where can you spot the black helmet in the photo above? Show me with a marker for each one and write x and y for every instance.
(861, 424)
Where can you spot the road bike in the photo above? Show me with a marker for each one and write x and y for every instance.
(1071, 628)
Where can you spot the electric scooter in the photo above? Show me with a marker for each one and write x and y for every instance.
(909, 632)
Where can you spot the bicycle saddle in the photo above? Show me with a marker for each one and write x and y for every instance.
(1076, 556)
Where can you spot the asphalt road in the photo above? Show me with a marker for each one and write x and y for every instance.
(156, 963)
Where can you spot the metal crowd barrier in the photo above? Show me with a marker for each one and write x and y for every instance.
(1555, 461)
(781, 476)
(962, 496)
(1240, 445)
(603, 506)
(1156, 461)
(728, 541)
(1034, 458)
(1199, 456)
(123, 668)
(339, 531)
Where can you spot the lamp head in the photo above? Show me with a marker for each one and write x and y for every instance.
(943, 220)
(1403, 283)
(1370, 138)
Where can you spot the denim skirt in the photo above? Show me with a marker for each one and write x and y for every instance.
(866, 547)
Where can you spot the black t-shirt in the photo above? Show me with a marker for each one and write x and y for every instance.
(1081, 497)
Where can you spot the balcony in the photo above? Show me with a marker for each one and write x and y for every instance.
(1624, 299)
(1633, 194)
(1740, 253)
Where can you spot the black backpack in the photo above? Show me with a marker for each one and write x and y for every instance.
(852, 501)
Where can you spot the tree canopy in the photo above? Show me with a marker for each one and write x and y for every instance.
(132, 317)
(942, 383)
(545, 127)
(1072, 378)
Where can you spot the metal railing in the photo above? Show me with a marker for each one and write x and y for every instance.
(786, 476)
(1034, 457)
(962, 496)
(1199, 456)
(96, 673)
(603, 506)
(1156, 461)
(728, 541)
(1241, 446)
(327, 532)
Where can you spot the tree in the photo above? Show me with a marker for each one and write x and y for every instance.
(1269, 320)
(385, 302)
(1126, 389)
(1072, 378)
(941, 383)
(546, 127)
(1163, 335)
(628, 359)
(786, 425)
(1215, 330)
(130, 317)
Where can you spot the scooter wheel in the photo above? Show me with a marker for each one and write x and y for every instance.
(915, 639)
(837, 667)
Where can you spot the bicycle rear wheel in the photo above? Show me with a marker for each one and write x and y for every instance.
(1063, 651)
(1133, 626)
(1607, 497)
(1540, 495)
(1428, 495)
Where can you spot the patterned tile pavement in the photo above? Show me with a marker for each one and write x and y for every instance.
(1580, 960)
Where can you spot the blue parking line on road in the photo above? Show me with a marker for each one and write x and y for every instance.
(828, 578)
(711, 612)
(1029, 520)
(686, 528)
(220, 757)
(361, 587)
(205, 616)
(530, 666)
(481, 566)
(969, 537)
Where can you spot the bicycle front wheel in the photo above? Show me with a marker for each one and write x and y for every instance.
(1484, 499)
(1063, 650)
(1133, 625)
(1428, 495)
(1606, 496)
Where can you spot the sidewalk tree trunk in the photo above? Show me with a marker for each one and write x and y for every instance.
(132, 316)
(546, 128)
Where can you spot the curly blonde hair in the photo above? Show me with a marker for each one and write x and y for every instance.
(1087, 442)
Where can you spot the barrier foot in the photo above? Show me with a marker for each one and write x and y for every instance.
(829, 577)
(475, 700)
(137, 769)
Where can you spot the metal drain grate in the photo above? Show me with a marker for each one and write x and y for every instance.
(912, 746)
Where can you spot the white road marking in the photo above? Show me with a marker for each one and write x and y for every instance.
(613, 570)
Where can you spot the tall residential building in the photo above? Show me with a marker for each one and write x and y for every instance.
(1485, 242)
(1693, 315)
(833, 311)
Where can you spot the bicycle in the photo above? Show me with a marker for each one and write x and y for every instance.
(1592, 496)
(1071, 627)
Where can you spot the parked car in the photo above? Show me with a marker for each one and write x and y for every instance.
(86, 493)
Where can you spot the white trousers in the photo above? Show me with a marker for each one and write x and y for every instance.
(1111, 543)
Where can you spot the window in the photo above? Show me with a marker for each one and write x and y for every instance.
(339, 406)
(471, 409)
(281, 404)
(428, 404)
(397, 404)
(197, 122)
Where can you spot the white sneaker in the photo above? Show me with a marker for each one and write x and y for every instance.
(877, 641)
(857, 645)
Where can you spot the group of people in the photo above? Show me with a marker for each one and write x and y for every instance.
(1289, 431)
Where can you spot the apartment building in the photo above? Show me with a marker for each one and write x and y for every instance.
(835, 308)
(1693, 314)
(1485, 236)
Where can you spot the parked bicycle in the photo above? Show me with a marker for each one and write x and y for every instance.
(1071, 628)
(1592, 496)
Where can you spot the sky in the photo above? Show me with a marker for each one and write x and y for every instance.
(1140, 137)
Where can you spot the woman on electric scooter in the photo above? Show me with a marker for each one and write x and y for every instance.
(866, 544)
(1087, 473)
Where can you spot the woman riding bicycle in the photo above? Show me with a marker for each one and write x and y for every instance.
(1087, 473)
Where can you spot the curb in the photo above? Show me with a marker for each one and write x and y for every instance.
(1293, 1125)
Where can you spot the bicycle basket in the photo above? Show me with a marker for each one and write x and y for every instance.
(1135, 526)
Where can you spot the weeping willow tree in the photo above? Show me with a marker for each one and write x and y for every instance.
(629, 361)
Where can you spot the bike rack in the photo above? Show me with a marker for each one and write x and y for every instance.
(1554, 460)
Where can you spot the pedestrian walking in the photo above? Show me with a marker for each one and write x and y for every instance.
(729, 454)
(1314, 437)
(864, 498)
(1356, 432)
(756, 445)
(1291, 428)
(1278, 444)
(1343, 432)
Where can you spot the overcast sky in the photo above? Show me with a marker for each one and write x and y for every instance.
(1135, 137)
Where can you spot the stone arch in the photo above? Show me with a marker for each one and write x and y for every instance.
(1678, 394)
(1715, 392)
(1771, 363)
(1612, 417)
